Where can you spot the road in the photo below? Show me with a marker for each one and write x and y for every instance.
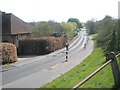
(40, 70)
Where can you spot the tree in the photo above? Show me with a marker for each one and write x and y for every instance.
(108, 30)
(42, 29)
(69, 28)
(111, 44)
(118, 35)
(90, 27)
(47, 29)
(108, 35)
(55, 29)
(79, 25)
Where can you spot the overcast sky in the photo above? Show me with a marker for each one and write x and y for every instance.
(60, 10)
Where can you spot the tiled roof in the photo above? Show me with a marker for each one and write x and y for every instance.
(18, 26)
(14, 25)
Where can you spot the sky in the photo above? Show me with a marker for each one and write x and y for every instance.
(60, 10)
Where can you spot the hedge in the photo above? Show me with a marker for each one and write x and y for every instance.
(8, 53)
(40, 45)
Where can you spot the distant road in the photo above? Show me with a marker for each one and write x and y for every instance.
(43, 70)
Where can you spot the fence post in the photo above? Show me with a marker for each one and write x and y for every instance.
(115, 68)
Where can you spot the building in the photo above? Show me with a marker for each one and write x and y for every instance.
(0, 26)
(14, 28)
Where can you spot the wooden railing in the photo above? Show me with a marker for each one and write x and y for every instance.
(112, 58)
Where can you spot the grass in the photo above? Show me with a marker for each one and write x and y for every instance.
(103, 79)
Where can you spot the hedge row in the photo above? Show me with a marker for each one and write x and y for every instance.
(40, 45)
(8, 53)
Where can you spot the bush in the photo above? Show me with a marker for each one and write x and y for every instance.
(40, 45)
(9, 53)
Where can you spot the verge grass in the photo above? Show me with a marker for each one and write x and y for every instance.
(103, 79)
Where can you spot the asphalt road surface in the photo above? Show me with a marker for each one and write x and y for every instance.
(37, 71)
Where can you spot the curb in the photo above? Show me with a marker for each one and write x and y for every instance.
(55, 53)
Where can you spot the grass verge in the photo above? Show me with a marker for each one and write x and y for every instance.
(103, 79)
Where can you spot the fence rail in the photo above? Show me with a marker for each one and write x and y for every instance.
(115, 69)
(118, 55)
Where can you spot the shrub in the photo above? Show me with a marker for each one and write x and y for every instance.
(9, 53)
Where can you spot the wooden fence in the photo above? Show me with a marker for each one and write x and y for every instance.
(112, 58)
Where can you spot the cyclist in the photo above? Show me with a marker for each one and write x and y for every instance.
(84, 45)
